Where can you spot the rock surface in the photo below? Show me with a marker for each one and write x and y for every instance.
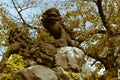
(37, 72)
(66, 59)
(70, 58)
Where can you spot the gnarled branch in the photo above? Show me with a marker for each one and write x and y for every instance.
(102, 16)
(19, 13)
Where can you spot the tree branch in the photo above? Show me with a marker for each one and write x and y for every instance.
(21, 16)
(102, 16)
(18, 12)
(18, 6)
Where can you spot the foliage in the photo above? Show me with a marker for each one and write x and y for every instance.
(93, 76)
(74, 75)
(14, 63)
(108, 75)
(43, 36)
(82, 17)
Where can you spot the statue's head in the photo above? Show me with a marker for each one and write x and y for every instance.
(51, 14)
(52, 11)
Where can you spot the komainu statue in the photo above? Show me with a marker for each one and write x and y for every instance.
(51, 20)
(57, 60)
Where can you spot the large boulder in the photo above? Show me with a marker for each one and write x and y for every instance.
(37, 72)
(67, 64)
(70, 58)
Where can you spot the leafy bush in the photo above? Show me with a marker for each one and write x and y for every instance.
(14, 63)
(43, 36)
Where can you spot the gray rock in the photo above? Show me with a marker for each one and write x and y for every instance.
(37, 72)
(70, 58)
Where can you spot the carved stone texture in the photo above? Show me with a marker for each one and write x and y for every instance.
(19, 43)
(51, 20)
(40, 52)
(66, 59)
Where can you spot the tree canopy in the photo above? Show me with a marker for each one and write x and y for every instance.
(92, 24)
